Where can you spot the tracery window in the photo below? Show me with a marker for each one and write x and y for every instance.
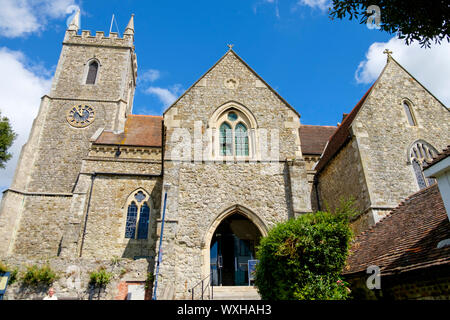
(234, 139)
(419, 153)
(138, 216)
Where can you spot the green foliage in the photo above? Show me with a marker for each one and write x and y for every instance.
(13, 276)
(13, 273)
(3, 267)
(100, 278)
(303, 258)
(414, 20)
(7, 137)
(39, 276)
(149, 280)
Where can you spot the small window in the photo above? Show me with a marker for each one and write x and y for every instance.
(144, 219)
(130, 228)
(92, 73)
(226, 140)
(409, 113)
(241, 137)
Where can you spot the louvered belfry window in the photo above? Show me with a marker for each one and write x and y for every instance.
(92, 73)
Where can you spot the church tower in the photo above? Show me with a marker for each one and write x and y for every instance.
(92, 90)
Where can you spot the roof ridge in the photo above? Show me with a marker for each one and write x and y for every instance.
(317, 125)
(144, 115)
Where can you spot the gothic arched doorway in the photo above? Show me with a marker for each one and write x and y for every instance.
(232, 245)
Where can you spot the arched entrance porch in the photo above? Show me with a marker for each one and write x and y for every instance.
(230, 242)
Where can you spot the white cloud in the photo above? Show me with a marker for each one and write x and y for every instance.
(21, 17)
(20, 93)
(150, 75)
(430, 67)
(166, 95)
(315, 4)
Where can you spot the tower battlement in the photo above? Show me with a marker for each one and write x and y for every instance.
(99, 39)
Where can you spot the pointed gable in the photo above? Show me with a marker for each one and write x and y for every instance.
(342, 134)
(202, 80)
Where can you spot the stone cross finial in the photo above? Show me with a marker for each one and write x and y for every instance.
(230, 46)
(388, 52)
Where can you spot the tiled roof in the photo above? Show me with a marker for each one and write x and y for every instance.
(406, 239)
(314, 138)
(341, 135)
(139, 130)
(441, 156)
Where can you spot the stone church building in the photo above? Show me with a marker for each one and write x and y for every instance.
(231, 154)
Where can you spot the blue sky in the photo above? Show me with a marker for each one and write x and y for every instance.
(321, 67)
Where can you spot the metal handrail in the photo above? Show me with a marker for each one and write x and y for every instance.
(192, 290)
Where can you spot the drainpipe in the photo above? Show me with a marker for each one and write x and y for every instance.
(94, 175)
(166, 187)
(316, 188)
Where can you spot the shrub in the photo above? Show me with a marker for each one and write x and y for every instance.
(13, 276)
(3, 267)
(303, 258)
(100, 278)
(38, 276)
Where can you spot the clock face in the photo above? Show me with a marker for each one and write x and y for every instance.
(80, 116)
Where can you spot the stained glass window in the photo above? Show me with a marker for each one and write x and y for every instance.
(92, 72)
(130, 228)
(144, 219)
(241, 137)
(139, 196)
(226, 140)
(232, 116)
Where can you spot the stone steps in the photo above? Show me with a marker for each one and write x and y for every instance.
(236, 293)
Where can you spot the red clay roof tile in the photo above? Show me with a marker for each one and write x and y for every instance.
(406, 239)
(314, 138)
(139, 130)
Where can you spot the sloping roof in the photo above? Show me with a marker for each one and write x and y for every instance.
(140, 130)
(314, 138)
(441, 156)
(231, 51)
(341, 135)
(406, 239)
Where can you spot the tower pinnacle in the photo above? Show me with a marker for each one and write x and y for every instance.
(130, 27)
(75, 24)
